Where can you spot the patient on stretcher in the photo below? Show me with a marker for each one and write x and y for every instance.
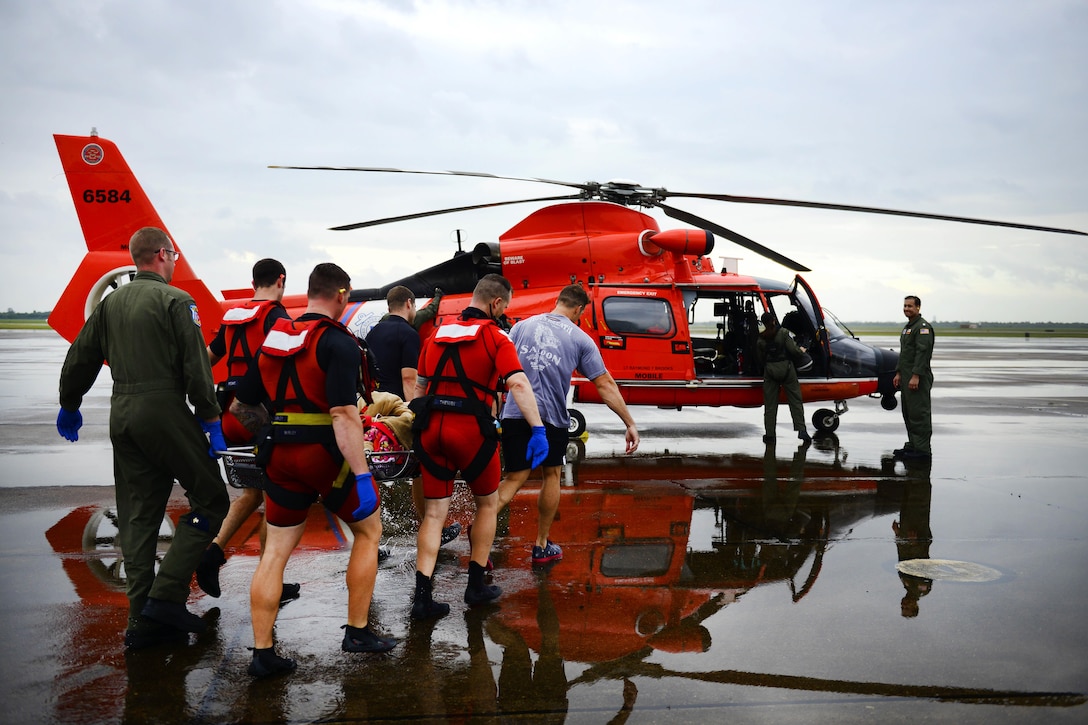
(387, 426)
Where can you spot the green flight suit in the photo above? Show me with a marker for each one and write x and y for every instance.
(915, 353)
(150, 334)
(779, 373)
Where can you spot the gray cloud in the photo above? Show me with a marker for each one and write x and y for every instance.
(968, 108)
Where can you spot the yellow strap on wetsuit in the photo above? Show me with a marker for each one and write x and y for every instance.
(302, 419)
(315, 419)
(342, 477)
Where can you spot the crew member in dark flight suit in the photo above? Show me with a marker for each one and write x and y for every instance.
(777, 351)
(150, 334)
(915, 353)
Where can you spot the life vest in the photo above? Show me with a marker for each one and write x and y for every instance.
(292, 378)
(300, 407)
(450, 390)
(245, 333)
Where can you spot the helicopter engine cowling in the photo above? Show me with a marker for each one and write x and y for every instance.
(695, 242)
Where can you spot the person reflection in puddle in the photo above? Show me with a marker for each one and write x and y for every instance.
(523, 688)
(912, 533)
(780, 513)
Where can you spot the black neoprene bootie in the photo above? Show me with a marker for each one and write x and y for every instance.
(423, 604)
(266, 662)
(477, 592)
(363, 639)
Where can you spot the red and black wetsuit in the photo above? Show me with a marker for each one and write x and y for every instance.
(306, 368)
(461, 367)
(238, 340)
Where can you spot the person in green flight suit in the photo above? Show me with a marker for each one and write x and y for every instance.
(150, 334)
(777, 351)
(914, 378)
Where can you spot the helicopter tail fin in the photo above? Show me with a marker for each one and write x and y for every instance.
(111, 206)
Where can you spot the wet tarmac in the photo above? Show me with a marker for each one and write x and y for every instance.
(708, 578)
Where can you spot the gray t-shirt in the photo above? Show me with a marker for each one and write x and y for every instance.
(551, 348)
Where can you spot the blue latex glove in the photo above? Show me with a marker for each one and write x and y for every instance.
(69, 423)
(368, 497)
(215, 436)
(537, 449)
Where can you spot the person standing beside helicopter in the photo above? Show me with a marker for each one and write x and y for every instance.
(915, 353)
(149, 331)
(551, 347)
(310, 369)
(461, 367)
(395, 343)
(777, 351)
(238, 340)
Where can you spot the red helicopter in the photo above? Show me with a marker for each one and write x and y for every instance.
(647, 286)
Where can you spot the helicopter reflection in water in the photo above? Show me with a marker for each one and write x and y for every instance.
(634, 575)
(639, 575)
(653, 547)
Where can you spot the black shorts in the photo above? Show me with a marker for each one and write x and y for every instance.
(515, 441)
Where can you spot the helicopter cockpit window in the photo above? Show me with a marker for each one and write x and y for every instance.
(638, 316)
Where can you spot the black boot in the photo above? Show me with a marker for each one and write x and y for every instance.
(364, 639)
(207, 571)
(266, 662)
(423, 605)
(477, 592)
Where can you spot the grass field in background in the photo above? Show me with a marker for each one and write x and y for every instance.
(24, 325)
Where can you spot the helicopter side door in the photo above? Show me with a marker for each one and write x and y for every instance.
(643, 336)
(811, 330)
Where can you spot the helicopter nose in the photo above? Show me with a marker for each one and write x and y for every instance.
(886, 363)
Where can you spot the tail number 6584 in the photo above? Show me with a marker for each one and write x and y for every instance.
(106, 196)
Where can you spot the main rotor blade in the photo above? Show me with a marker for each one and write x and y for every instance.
(436, 212)
(731, 236)
(584, 187)
(869, 210)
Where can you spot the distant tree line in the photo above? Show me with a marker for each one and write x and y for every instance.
(13, 315)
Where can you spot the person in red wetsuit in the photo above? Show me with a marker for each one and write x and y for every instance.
(239, 338)
(461, 367)
(309, 369)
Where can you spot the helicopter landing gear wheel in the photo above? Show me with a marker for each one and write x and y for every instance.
(888, 402)
(825, 421)
(577, 424)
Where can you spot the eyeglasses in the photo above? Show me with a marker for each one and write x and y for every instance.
(171, 254)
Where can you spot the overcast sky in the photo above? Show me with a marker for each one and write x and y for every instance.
(971, 108)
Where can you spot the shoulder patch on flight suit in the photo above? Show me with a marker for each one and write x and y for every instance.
(924, 331)
(195, 313)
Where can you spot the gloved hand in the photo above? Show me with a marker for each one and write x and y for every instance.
(69, 423)
(215, 436)
(537, 449)
(368, 497)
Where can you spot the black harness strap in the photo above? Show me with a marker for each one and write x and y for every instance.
(238, 339)
(289, 380)
(290, 383)
(470, 404)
